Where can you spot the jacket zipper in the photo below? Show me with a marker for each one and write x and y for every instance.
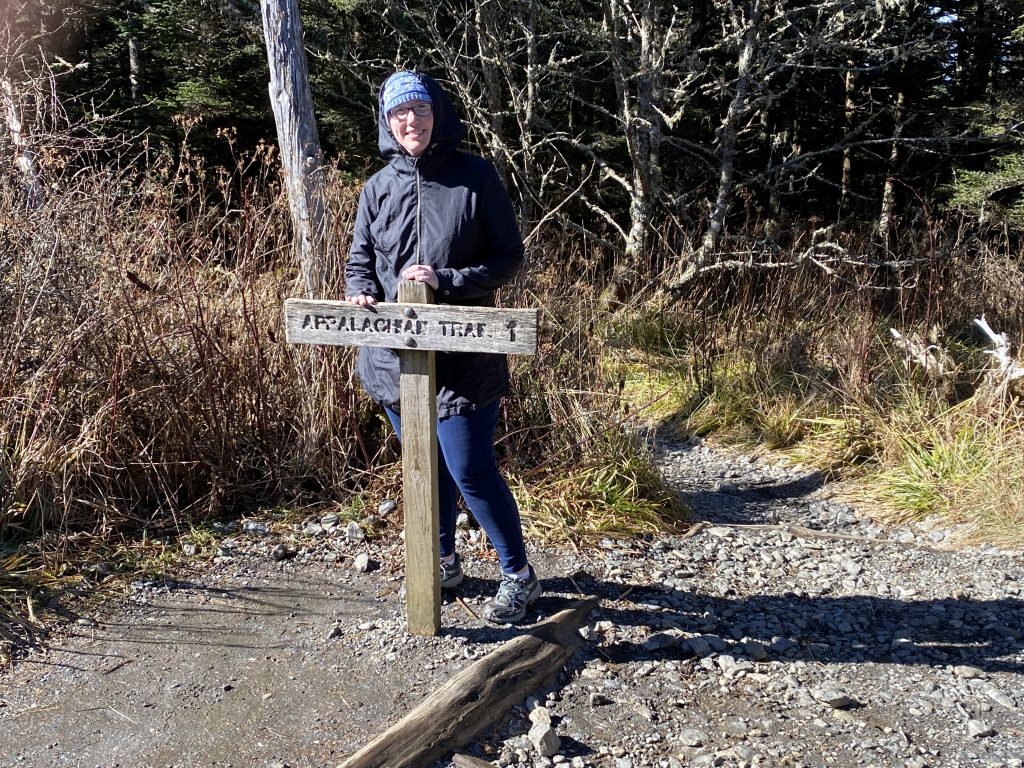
(418, 216)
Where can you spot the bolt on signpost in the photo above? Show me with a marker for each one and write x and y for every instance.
(417, 328)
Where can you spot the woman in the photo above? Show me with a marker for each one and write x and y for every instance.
(440, 216)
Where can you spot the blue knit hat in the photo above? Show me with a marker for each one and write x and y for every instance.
(402, 87)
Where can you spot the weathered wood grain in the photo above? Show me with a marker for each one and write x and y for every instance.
(412, 325)
(419, 479)
(301, 159)
(479, 696)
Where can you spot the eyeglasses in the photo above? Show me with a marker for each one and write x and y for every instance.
(420, 109)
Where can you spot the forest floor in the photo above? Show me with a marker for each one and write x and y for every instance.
(785, 629)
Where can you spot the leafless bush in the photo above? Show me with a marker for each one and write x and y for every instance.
(144, 374)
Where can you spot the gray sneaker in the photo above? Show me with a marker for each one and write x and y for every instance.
(513, 598)
(451, 575)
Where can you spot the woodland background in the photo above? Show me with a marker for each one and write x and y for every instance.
(728, 205)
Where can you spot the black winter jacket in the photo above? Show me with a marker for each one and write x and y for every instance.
(448, 209)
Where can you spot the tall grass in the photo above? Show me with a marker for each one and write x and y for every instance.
(146, 377)
(579, 467)
(803, 363)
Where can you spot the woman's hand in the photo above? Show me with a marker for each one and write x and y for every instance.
(421, 273)
(363, 300)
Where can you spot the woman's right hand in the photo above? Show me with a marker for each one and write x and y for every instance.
(362, 299)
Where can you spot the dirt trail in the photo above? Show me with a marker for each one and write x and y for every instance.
(787, 631)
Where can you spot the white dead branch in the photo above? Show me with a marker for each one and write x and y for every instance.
(24, 154)
(930, 357)
(1006, 369)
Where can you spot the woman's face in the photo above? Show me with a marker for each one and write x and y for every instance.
(411, 129)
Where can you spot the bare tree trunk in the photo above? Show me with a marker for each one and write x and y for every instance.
(528, 111)
(302, 165)
(136, 10)
(728, 134)
(889, 187)
(847, 177)
(486, 32)
(24, 155)
(301, 158)
(638, 85)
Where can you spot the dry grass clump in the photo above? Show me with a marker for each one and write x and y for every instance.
(579, 467)
(145, 382)
(961, 463)
(147, 376)
(806, 365)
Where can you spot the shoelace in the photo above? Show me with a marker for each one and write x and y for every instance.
(512, 590)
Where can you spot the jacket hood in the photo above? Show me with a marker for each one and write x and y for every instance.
(445, 136)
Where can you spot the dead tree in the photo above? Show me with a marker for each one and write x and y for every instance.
(299, 142)
(746, 23)
(24, 155)
(638, 84)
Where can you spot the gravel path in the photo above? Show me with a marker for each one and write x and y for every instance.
(784, 630)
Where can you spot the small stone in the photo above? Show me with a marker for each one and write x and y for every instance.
(1008, 632)
(599, 700)
(977, 729)
(967, 672)
(699, 646)
(544, 739)
(755, 650)
(329, 521)
(255, 528)
(1000, 698)
(354, 532)
(362, 563)
(336, 631)
(386, 507)
(830, 695)
(281, 552)
(661, 640)
(692, 737)
(540, 714)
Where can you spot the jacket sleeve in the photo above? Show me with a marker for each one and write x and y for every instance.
(360, 270)
(501, 247)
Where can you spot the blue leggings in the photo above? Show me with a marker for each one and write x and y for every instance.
(467, 463)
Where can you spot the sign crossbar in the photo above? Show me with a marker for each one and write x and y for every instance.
(411, 325)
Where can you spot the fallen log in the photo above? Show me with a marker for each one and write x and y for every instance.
(478, 696)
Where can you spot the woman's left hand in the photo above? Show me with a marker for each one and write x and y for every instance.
(421, 273)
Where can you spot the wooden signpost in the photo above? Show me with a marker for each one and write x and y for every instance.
(417, 328)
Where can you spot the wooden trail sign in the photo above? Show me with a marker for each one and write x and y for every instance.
(412, 325)
(417, 328)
